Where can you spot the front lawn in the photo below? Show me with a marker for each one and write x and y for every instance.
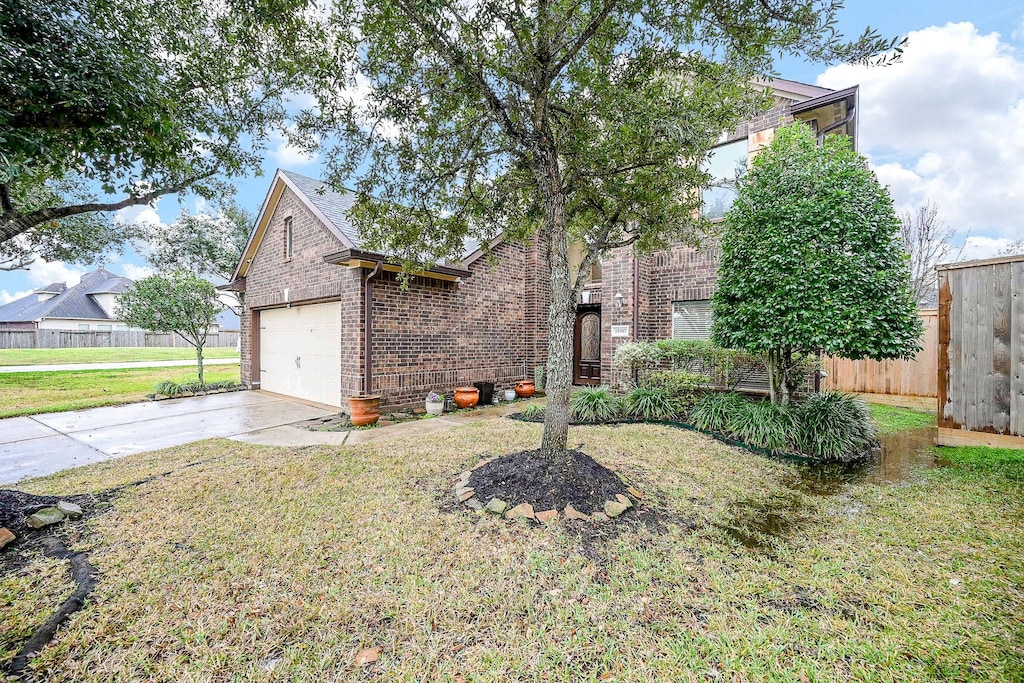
(108, 355)
(260, 563)
(29, 393)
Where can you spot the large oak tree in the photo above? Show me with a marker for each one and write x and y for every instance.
(572, 121)
(106, 104)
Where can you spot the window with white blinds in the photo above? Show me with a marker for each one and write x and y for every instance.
(691, 319)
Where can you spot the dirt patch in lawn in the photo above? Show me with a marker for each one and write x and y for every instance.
(546, 483)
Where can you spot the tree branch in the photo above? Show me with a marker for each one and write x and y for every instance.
(13, 223)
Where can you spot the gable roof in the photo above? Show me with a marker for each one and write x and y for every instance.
(69, 302)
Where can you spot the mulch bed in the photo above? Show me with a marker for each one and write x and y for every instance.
(547, 484)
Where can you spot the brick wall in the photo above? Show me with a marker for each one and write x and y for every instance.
(437, 335)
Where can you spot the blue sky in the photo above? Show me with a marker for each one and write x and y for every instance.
(946, 125)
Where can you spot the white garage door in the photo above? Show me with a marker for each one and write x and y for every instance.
(300, 352)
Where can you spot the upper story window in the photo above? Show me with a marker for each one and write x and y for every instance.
(288, 239)
(726, 164)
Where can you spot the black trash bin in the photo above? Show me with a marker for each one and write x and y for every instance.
(486, 390)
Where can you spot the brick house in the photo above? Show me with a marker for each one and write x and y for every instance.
(325, 319)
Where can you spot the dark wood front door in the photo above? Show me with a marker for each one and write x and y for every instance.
(586, 365)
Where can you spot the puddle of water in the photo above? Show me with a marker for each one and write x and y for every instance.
(901, 458)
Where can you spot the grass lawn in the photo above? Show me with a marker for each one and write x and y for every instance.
(28, 393)
(262, 563)
(891, 420)
(107, 355)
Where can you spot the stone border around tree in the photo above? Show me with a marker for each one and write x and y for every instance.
(466, 495)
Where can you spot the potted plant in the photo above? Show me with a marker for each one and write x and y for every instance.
(510, 395)
(435, 403)
(364, 410)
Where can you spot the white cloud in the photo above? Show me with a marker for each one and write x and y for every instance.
(947, 125)
(1018, 33)
(7, 297)
(134, 272)
(43, 272)
(978, 247)
(287, 155)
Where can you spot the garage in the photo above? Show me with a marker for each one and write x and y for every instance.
(300, 352)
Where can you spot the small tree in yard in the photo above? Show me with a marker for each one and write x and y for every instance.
(812, 258)
(180, 303)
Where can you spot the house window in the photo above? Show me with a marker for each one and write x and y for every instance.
(691, 319)
(104, 328)
(726, 164)
(288, 239)
(83, 327)
(122, 328)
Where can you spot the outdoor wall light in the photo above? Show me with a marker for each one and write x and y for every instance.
(618, 300)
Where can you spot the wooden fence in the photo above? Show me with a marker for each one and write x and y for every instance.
(67, 339)
(981, 353)
(917, 377)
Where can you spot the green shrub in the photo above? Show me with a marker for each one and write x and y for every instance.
(834, 426)
(167, 388)
(763, 424)
(532, 412)
(683, 386)
(713, 411)
(593, 404)
(650, 403)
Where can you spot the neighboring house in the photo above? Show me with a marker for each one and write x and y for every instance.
(89, 306)
(324, 319)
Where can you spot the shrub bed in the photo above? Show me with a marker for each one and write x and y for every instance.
(829, 426)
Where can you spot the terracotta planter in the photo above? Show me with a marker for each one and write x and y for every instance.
(466, 397)
(364, 410)
(525, 388)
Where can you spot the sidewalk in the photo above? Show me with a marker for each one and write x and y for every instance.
(116, 366)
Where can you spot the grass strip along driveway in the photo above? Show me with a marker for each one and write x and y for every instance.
(31, 393)
(260, 563)
(107, 355)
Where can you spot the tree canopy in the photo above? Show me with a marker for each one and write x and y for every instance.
(204, 244)
(813, 259)
(105, 104)
(572, 121)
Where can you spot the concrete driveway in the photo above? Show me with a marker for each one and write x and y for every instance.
(43, 444)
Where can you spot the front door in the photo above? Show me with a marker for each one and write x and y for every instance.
(586, 366)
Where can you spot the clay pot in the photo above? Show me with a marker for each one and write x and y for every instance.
(466, 397)
(364, 410)
(525, 388)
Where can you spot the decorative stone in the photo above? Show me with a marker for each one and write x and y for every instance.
(419, 411)
(600, 516)
(69, 509)
(573, 513)
(521, 511)
(44, 517)
(622, 499)
(631, 490)
(614, 508)
(465, 494)
(545, 516)
(6, 536)
(497, 506)
(474, 504)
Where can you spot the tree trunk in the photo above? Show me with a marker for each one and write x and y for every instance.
(199, 362)
(779, 386)
(561, 311)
